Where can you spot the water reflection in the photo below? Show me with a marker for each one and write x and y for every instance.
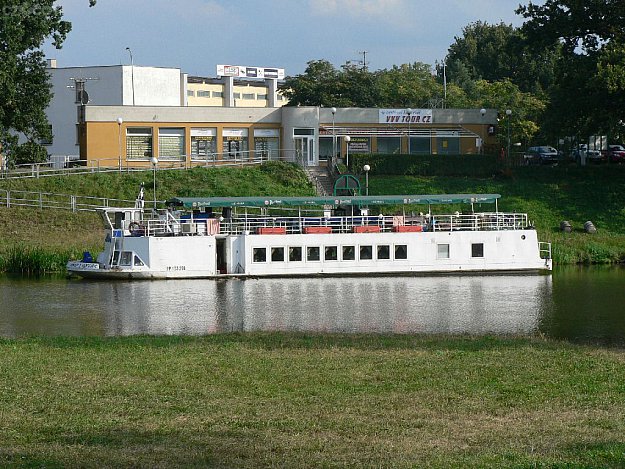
(497, 304)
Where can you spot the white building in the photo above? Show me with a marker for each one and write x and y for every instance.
(114, 85)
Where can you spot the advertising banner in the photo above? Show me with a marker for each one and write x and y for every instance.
(243, 71)
(401, 116)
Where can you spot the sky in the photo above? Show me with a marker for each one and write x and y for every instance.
(197, 35)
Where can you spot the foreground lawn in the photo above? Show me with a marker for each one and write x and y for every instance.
(310, 401)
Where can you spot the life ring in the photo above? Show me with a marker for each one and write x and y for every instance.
(136, 229)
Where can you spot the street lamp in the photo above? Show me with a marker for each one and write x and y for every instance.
(366, 168)
(132, 75)
(347, 139)
(120, 121)
(333, 136)
(154, 161)
(409, 112)
(508, 114)
(482, 138)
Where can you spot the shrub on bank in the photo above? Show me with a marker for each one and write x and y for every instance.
(428, 165)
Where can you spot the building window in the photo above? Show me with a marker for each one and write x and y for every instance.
(295, 254)
(249, 96)
(477, 250)
(277, 254)
(401, 252)
(236, 95)
(203, 94)
(267, 143)
(366, 253)
(259, 255)
(349, 253)
(420, 145)
(261, 96)
(218, 94)
(190, 93)
(138, 143)
(312, 253)
(203, 143)
(331, 253)
(384, 252)
(170, 143)
(235, 143)
(443, 251)
(280, 97)
(389, 145)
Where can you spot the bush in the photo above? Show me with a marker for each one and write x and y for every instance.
(428, 165)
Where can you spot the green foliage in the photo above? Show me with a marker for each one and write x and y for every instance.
(323, 85)
(24, 88)
(29, 152)
(33, 260)
(589, 92)
(429, 165)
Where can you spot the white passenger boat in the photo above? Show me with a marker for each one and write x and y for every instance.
(262, 236)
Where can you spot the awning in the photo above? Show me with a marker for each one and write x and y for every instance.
(434, 199)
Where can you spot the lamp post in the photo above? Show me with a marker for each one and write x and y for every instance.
(333, 136)
(132, 75)
(409, 111)
(366, 168)
(120, 121)
(154, 161)
(508, 114)
(482, 138)
(347, 139)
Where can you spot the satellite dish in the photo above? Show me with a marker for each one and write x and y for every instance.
(83, 97)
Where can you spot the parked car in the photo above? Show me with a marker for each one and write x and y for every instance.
(592, 156)
(541, 155)
(615, 153)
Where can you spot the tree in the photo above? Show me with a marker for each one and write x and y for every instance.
(317, 86)
(24, 83)
(589, 91)
(498, 52)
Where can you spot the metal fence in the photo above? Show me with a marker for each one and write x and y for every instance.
(75, 203)
(115, 164)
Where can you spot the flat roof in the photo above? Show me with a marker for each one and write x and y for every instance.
(432, 199)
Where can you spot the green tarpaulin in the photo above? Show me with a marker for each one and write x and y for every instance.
(201, 202)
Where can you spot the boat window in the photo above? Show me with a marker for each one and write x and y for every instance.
(477, 250)
(443, 251)
(138, 261)
(366, 253)
(295, 254)
(125, 258)
(384, 251)
(259, 255)
(277, 254)
(312, 253)
(331, 253)
(349, 253)
(401, 251)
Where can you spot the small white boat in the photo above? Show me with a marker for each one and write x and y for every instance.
(304, 236)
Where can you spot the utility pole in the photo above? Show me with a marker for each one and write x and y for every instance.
(364, 58)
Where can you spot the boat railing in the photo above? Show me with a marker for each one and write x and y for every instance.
(170, 225)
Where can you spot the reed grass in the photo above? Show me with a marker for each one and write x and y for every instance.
(294, 400)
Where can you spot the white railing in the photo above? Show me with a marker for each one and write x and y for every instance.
(49, 200)
(347, 224)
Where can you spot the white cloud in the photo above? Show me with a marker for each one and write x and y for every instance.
(379, 9)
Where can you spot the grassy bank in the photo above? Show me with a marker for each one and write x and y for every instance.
(310, 401)
(548, 194)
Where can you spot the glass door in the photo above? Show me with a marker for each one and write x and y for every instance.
(305, 150)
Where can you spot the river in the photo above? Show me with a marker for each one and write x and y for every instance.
(582, 305)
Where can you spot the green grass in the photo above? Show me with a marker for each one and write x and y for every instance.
(292, 400)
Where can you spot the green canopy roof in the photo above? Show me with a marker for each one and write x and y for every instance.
(201, 202)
